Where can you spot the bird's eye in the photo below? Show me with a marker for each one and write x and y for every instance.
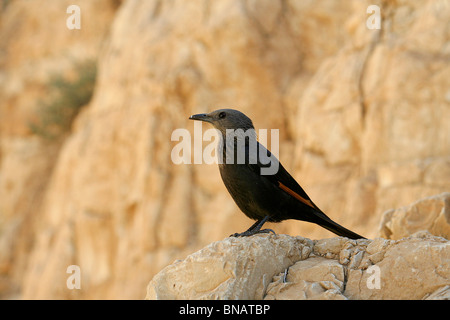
(222, 115)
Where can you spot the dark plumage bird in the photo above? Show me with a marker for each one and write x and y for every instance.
(273, 196)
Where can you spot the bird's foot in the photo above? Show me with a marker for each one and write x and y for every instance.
(266, 231)
(251, 232)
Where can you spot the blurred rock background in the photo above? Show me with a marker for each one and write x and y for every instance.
(364, 120)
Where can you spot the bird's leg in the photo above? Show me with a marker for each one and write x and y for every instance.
(254, 229)
(257, 228)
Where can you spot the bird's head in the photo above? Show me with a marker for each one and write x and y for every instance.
(224, 119)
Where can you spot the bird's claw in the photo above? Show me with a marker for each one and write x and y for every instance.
(266, 231)
(250, 233)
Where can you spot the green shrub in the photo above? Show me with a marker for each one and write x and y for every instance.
(66, 97)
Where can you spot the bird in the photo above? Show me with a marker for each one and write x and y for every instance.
(262, 196)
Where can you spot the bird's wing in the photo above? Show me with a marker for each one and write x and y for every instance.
(281, 178)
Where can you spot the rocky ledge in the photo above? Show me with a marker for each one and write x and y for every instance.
(285, 267)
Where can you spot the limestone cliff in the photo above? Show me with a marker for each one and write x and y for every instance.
(363, 117)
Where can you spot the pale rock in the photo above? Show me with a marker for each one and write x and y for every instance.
(250, 268)
(442, 293)
(234, 268)
(411, 268)
(431, 214)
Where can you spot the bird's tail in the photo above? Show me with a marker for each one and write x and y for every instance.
(324, 221)
(338, 229)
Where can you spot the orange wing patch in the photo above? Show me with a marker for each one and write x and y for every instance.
(296, 196)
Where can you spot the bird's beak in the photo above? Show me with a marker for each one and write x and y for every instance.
(201, 117)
